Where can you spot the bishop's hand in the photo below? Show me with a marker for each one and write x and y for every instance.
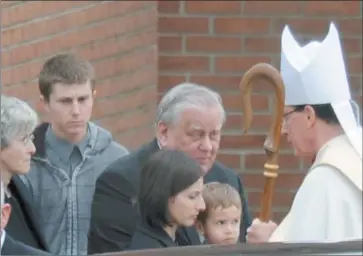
(260, 232)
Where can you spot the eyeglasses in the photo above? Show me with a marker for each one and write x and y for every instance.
(287, 114)
(27, 139)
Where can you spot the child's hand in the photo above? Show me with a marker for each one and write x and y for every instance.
(260, 232)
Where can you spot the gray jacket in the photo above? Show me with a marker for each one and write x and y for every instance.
(63, 199)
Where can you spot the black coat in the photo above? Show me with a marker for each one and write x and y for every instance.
(148, 237)
(23, 223)
(13, 247)
(113, 214)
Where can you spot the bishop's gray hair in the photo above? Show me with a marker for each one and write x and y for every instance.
(183, 96)
(18, 119)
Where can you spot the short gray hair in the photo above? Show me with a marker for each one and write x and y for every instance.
(17, 119)
(186, 95)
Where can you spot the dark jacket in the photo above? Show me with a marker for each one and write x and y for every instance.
(23, 224)
(113, 213)
(13, 247)
(149, 237)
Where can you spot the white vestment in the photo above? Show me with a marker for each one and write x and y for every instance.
(328, 205)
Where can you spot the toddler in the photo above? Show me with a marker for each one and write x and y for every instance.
(220, 222)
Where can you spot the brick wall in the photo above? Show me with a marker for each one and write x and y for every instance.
(118, 37)
(213, 43)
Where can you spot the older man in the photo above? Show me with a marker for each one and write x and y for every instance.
(189, 118)
(320, 121)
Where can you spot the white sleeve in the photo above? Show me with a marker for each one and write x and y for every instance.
(326, 208)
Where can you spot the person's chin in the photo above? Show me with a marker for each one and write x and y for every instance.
(189, 223)
(22, 170)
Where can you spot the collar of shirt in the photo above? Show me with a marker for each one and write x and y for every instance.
(2, 237)
(63, 148)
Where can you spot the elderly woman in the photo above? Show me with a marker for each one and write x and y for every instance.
(18, 121)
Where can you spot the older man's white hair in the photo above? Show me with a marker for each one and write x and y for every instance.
(186, 95)
(18, 119)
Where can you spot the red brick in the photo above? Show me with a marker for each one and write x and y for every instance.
(231, 161)
(167, 82)
(28, 91)
(242, 142)
(136, 137)
(183, 63)
(90, 51)
(241, 25)
(358, 100)
(183, 25)
(277, 214)
(129, 62)
(7, 4)
(75, 38)
(125, 83)
(278, 198)
(215, 7)
(121, 47)
(130, 121)
(213, 44)
(170, 43)
(355, 65)
(356, 83)
(301, 25)
(283, 181)
(168, 7)
(286, 162)
(37, 30)
(262, 45)
(259, 122)
(248, 141)
(352, 46)
(238, 63)
(117, 104)
(218, 82)
(333, 8)
(36, 9)
(272, 7)
(351, 27)
(114, 46)
(233, 102)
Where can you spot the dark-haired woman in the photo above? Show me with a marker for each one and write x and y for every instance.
(169, 197)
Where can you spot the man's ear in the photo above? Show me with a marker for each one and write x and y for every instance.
(162, 133)
(310, 115)
(44, 103)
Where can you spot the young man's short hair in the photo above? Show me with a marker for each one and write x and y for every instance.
(66, 69)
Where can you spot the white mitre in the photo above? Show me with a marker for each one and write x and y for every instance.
(316, 74)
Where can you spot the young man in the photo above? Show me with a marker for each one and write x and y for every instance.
(220, 222)
(320, 121)
(71, 153)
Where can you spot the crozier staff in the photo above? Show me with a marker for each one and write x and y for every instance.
(272, 143)
(319, 120)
